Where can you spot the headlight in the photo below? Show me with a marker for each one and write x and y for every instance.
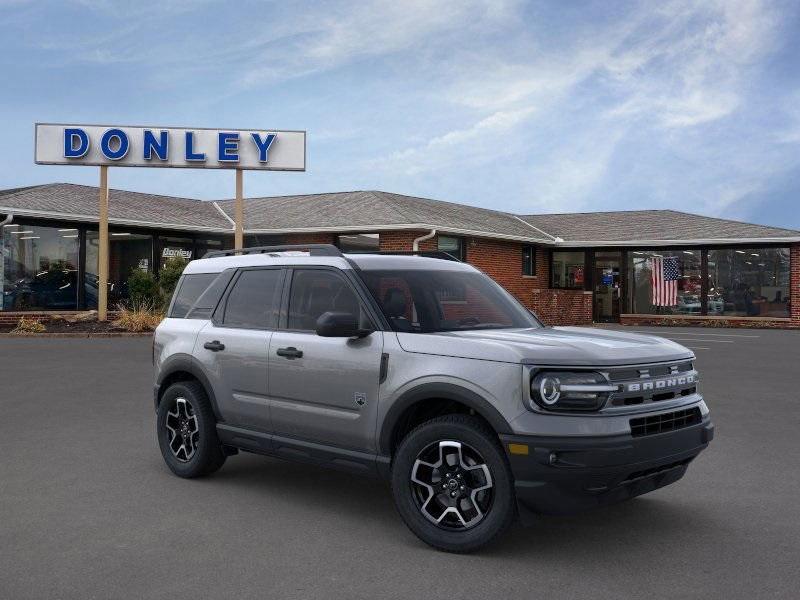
(568, 390)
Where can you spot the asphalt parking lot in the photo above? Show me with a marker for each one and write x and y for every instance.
(88, 510)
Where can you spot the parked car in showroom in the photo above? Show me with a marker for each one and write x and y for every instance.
(426, 372)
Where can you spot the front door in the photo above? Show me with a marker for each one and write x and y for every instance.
(607, 286)
(324, 389)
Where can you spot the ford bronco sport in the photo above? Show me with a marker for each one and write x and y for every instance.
(426, 372)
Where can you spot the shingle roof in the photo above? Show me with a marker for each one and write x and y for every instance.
(650, 225)
(374, 211)
(72, 201)
(350, 211)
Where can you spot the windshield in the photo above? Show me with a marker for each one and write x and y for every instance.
(428, 301)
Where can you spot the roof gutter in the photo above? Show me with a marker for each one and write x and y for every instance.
(686, 242)
(422, 238)
(7, 220)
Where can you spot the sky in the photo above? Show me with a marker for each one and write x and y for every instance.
(529, 107)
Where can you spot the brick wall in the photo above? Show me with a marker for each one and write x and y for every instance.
(311, 238)
(502, 261)
(563, 307)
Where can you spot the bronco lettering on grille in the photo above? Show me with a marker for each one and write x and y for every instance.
(660, 384)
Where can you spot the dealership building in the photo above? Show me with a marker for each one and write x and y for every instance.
(650, 266)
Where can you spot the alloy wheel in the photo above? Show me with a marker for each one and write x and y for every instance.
(452, 485)
(182, 429)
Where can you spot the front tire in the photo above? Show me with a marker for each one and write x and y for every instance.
(452, 484)
(187, 431)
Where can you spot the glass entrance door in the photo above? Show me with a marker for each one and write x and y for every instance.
(607, 286)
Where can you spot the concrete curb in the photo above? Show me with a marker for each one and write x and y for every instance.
(120, 334)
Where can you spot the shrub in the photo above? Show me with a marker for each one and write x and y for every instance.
(26, 325)
(169, 275)
(139, 317)
(143, 288)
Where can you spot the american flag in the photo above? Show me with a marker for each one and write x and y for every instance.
(664, 279)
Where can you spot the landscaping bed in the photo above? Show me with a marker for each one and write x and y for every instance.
(126, 323)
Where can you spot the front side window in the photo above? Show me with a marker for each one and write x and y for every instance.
(416, 301)
(317, 291)
(748, 282)
(665, 282)
(252, 302)
(568, 270)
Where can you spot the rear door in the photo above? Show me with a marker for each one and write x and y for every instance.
(324, 389)
(233, 347)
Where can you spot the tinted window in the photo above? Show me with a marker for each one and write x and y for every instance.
(189, 290)
(204, 306)
(317, 291)
(252, 301)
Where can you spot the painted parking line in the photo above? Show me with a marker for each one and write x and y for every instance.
(697, 348)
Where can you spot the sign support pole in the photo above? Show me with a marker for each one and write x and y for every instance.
(238, 241)
(102, 255)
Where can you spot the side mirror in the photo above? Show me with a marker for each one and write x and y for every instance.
(340, 324)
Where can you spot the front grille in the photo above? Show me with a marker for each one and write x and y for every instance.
(654, 383)
(665, 422)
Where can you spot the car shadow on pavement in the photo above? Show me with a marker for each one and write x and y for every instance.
(350, 499)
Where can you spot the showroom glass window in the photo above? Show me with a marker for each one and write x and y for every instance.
(359, 242)
(128, 251)
(678, 291)
(568, 270)
(175, 247)
(39, 268)
(748, 282)
(205, 245)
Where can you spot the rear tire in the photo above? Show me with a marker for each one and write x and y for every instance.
(452, 484)
(187, 431)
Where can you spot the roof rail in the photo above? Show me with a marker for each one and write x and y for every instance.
(441, 254)
(312, 249)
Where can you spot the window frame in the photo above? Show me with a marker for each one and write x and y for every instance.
(462, 246)
(218, 317)
(355, 286)
(533, 261)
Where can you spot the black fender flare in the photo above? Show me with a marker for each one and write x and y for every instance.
(446, 391)
(188, 364)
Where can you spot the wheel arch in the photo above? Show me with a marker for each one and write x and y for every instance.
(411, 401)
(182, 367)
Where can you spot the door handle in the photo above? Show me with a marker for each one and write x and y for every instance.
(214, 346)
(290, 352)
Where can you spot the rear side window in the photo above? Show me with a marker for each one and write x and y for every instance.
(253, 301)
(189, 290)
(204, 307)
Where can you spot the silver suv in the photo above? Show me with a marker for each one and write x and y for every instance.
(423, 371)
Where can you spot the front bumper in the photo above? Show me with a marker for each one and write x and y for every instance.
(563, 475)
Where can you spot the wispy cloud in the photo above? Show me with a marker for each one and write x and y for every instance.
(521, 105)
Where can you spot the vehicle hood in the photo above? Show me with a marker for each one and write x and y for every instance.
(548, 346)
